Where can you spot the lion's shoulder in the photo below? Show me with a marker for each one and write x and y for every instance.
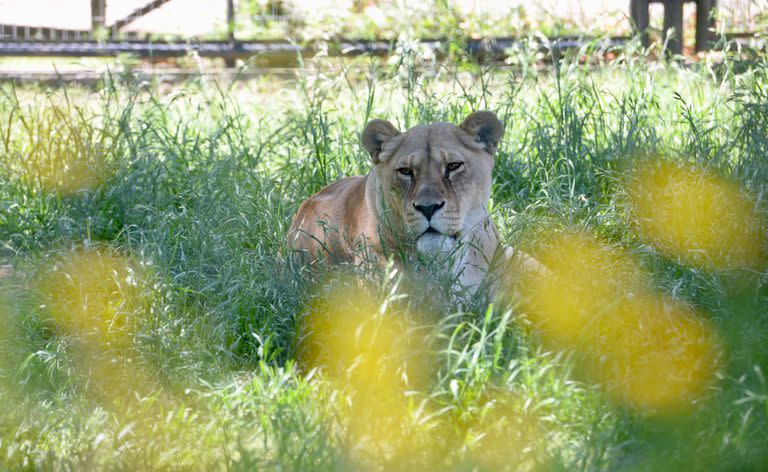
(334, 220)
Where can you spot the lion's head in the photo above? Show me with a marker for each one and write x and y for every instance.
(434, 180)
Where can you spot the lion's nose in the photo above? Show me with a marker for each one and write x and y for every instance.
(429, 210)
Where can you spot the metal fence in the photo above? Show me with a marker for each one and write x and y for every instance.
(112, 27)
(231, 15)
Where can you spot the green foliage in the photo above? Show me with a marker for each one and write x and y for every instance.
(197, 185)
(396, 19)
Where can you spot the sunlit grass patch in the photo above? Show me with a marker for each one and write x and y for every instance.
(507, 436)
(63, 171)
(11, 353)
(698, 216)
(58, 146)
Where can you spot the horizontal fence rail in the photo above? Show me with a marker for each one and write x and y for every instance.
(242, 50)
(33, 33)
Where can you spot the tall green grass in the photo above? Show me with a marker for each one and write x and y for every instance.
(195, 185)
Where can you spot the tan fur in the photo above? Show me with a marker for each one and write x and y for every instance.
(368, 216)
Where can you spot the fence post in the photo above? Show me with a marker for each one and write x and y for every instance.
(230, 61)
(704, 22)
(673, 19)
(98, 15)
(639, 12)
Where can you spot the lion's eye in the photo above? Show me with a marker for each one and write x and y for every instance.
(454, 166)
(405, 171)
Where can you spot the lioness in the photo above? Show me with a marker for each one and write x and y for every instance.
(428, 189)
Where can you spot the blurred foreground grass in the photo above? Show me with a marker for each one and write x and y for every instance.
(150, 323)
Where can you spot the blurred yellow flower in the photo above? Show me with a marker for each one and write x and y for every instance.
(656, 354)
(649, 351)
(698, 216)
(91, 295)
(374, 355)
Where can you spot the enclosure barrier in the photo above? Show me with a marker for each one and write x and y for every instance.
(494, 48)
(673, 22)
(104, 40)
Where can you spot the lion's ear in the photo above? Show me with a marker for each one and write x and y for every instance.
(485, 128)
(376, 133)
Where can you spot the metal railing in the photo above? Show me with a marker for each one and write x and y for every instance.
(112, 38)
